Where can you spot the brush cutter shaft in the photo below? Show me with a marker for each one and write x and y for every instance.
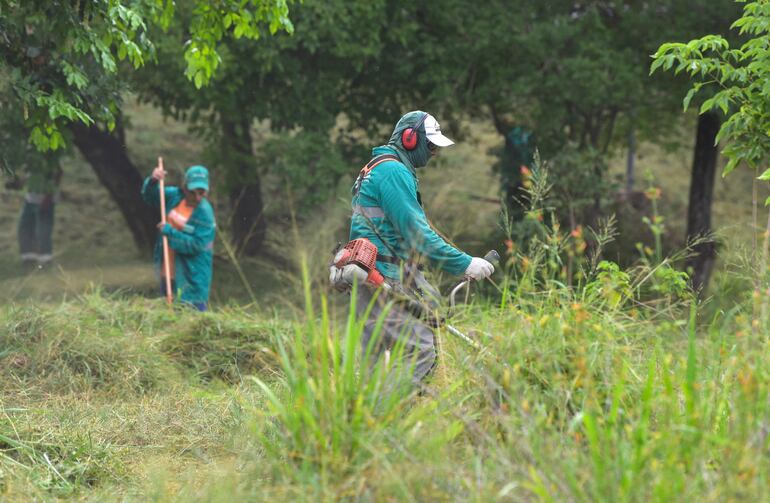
(452, 330)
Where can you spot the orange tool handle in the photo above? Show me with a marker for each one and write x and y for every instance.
(166, 265)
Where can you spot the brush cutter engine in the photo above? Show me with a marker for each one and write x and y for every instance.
(356, 262)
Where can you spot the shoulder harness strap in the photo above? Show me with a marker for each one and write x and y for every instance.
(373, 212)
(369, 167)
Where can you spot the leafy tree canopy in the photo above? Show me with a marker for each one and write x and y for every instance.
(738, 79)
(575, 72)
(59, 58)
(298, 80)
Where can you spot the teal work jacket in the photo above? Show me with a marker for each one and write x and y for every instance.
(388, 202)
(193, 246)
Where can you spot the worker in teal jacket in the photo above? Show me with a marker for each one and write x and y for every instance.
(190, 227)
(387, 210)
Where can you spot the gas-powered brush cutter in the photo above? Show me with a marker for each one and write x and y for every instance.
(355, 262)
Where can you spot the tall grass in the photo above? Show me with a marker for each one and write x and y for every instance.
(328, 411)
(575, 396)
(612, 385)
(569, 400)
(608, 389)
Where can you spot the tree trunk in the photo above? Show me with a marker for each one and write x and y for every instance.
(701, 194)
(109, 159)
(630, 161)
(248, 224)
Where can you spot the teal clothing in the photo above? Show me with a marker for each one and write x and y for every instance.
(392, 187)
(196, 177)
(193, 246)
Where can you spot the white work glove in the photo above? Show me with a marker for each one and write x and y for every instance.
(479, 269)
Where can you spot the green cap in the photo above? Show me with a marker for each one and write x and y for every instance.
(197, 177)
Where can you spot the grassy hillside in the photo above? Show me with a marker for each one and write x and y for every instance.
(107, 398)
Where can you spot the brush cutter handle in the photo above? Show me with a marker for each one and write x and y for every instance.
(492, 257)
(456, 289)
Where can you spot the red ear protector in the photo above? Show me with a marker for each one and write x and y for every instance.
(409, 136)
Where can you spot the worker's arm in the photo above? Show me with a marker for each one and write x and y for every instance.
(398, 200)
(151, 194)
(196, 237)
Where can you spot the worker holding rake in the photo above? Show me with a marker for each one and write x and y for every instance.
(387, 211)
(187, 230)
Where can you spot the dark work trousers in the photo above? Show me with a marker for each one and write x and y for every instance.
(399, 326)
(35, 231)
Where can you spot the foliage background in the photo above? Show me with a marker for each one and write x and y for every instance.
(615, 385)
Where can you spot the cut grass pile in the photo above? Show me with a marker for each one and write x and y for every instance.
(130, 345)
(99, 391)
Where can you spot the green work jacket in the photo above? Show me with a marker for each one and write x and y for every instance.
(388, 202)
(193, 245)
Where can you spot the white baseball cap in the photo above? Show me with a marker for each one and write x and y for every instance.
(433, 132)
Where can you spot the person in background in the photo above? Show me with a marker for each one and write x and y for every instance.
(35, 229)
(190, 228)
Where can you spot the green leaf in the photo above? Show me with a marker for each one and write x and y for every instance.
(669, 61)
(723, 102)
(688, 98)
(656, 63)
(730, 166)
(765, 175)
(56, 137)
(39, 139)
(707, 105)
